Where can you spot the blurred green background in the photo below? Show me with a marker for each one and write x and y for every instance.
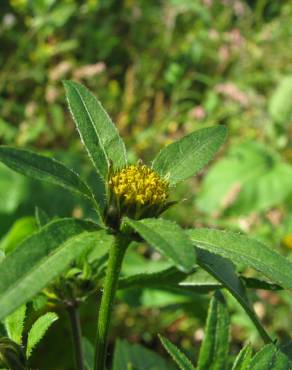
(161, 69)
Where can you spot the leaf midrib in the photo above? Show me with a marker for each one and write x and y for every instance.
(93, 125)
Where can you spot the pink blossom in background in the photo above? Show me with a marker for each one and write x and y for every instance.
(231, 91)
(197, 113)
(89, 70)
(60, 70)
(224, 53)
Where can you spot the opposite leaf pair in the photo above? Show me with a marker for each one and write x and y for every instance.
(107, 152)
(14, 351)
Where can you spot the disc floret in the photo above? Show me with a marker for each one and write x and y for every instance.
(137, 191)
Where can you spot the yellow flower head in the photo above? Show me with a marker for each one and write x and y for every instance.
(139, 185)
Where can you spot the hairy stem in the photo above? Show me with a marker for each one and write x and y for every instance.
(76, 335)
(115, 260)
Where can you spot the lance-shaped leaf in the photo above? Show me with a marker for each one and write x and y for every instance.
(168, 238)
(38, 330)
(185, 157)
(180, 358)
(270, 357)
(97, 131)
(243, 359)
(14, 324)
(214, 350)
(43, 168)
(242, 250)
(41, 258)
(224, 271)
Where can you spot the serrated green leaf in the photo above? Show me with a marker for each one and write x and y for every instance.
(43, 168)
(224, 271)
(40, 258)
(14, 324)
(242, 250)
(168, 238)
(21, 229)
(270, 357)
(185, 157)
(38, 330)
(214, 349)
(97, 131)
(243, 359)
(180, 358)
(135, 357)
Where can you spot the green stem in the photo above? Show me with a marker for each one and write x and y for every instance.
(115, 260)
(76, 335)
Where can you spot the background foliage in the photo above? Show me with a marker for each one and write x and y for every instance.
(162, 69)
